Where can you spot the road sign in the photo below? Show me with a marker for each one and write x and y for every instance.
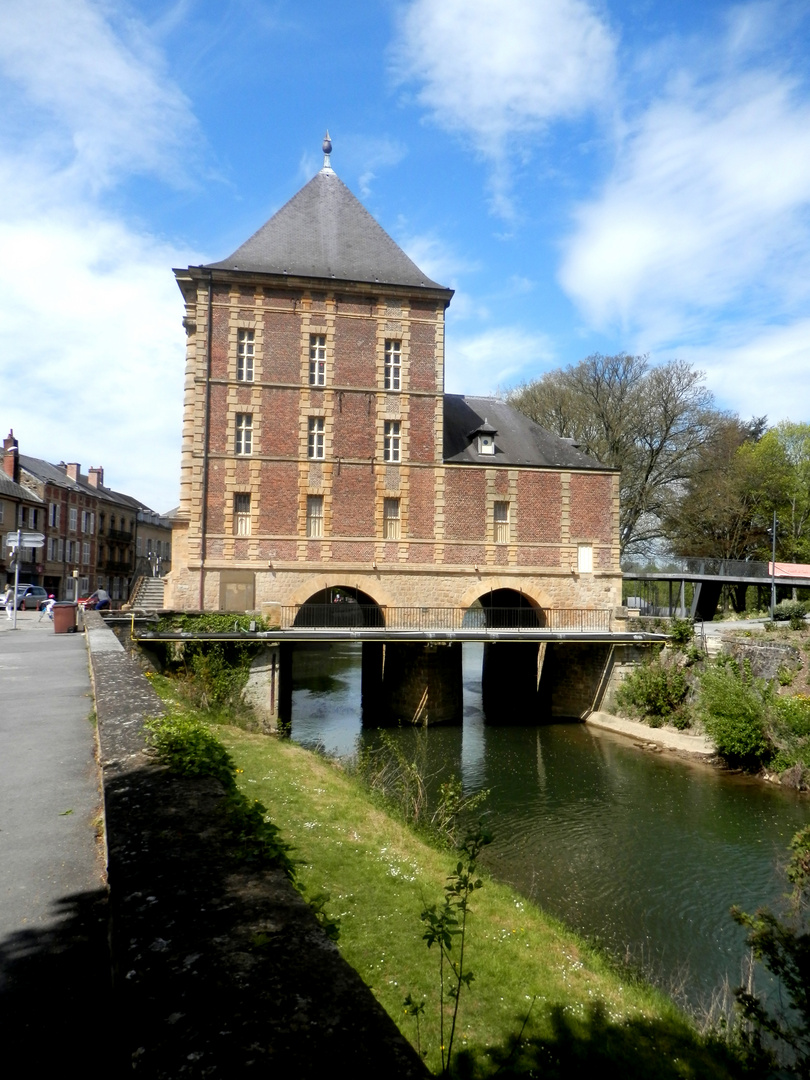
(25, 539)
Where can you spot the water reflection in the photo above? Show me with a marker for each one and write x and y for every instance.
(643, 851)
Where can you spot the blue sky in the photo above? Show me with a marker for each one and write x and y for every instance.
(589, 177)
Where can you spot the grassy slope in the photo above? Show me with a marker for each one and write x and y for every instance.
(379, 875)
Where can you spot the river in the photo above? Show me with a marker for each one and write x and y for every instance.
(644, 852)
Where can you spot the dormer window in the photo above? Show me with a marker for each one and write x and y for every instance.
(484, 439)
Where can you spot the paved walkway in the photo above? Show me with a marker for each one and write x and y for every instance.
(54, 969)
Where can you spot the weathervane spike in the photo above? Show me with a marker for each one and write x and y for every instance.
(327, 150)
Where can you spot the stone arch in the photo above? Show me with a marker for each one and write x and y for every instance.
(339, 606)
(495, 583)
(505, 608)
(313, 585)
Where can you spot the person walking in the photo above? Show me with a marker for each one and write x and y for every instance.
(8, 600)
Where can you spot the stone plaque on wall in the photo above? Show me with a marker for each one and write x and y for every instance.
(315, 476)
(392, 405)
(391, 478)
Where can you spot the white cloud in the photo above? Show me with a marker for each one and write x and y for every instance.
(93, 351)
(499, 357)
(91, 348)
(112, 107)
(761, 371)
(495, 69)
(706, 213)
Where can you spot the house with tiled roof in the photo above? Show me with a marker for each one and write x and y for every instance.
(95, 537)
(321, 456)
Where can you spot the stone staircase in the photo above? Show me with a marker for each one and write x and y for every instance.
(149, 594)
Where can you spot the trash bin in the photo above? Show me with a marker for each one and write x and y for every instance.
(64, 617)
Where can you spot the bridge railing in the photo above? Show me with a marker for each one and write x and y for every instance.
(347, 613)
(677, 564)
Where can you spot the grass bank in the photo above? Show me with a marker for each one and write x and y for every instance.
(587, 1016)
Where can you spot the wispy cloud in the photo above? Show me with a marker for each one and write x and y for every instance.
(706, 213)
(91, 352)
(498, 357)
(102, 91)
(494, 71)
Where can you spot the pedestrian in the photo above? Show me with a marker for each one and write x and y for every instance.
(8, 601)
(98, 600)
(46, 611)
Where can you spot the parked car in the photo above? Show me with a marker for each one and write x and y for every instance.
(30, 597)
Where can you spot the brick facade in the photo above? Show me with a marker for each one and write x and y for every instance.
(346, 448)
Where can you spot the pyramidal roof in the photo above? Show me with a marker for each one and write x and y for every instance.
(325, 232)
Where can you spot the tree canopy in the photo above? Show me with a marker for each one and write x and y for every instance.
(652, 422)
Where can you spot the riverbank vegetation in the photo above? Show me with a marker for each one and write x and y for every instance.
(542, 1001)
(760, 722)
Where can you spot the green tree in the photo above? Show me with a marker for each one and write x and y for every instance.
(725, 508)
(649, 421)
(793, 535)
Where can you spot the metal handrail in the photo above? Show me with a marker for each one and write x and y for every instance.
(347, 613)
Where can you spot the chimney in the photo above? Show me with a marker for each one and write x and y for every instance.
(95, 477)
(11, 458)
(74, 470)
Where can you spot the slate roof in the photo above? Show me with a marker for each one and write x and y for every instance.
(325, 232)
(10, 490)
(519, 441)
(53, 474)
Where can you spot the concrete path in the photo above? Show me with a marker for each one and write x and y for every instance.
(699, 745)
(54, 969)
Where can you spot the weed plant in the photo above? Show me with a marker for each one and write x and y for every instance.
(655, 692)
(402, 780)
(734, 708)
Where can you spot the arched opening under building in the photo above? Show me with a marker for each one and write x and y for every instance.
(507, 609)
(338, 606)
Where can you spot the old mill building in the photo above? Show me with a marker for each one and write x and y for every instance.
(323, 461)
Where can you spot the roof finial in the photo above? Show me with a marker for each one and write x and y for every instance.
(327, 150)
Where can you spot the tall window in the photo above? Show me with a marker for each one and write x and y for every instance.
(244, 355)
(85, 553)
(53, 515)
(315, 446)
(314, 516)
(317, 359)
(32, 517)
(244, 433)
(393, 352)
(585, 558)
(241, 514)
(501, 516)
(391, 440)
(73, 514)
(391, 519)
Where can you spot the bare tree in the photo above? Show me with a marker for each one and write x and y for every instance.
(650, 422)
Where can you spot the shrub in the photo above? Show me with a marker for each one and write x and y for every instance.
(653, 691)
(681, 632)
(734, 709)
(790, 610)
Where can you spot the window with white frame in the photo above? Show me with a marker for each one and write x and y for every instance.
(60, 550)
(73, 515)
(32, 517)
(53, 548)
(314, 516)
(53, 515)
(315, 442)
(85, 553)
(91, 522)
(501, 522)
(244, 433)
(241, 514)
(317, 359)
(391, 440)
(391, 519)
(585, 558)
(393, 354)
(244, 355)
(84, 586)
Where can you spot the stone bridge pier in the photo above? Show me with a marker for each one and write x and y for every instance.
(412, 683)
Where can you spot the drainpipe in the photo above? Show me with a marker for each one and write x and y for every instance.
(206, 426)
